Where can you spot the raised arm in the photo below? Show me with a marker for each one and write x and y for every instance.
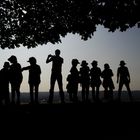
(49, 58)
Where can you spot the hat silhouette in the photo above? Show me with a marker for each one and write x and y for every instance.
(75, 61)
(94, 62)
(122, 62)
(12, 58)
(32, 60)
(84, 63)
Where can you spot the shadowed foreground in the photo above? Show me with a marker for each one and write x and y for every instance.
(73, 120)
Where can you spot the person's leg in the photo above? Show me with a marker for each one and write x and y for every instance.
(7, 98)
(87, 92)
(18, 93)
(120, 90)
(106, 92)
(52, 83)
(93, 93)
(60, 85)
(129, 91)
(75, 90)
(83, 93)
(13, 93)
(31, 93)
(36, 93)
(110, 93)
(97, 93)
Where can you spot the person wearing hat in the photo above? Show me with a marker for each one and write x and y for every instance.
(84, 80)
(73, 80)
(34, 78)
(56, 75)
(123, 78)
(16, 77)
(95, 82)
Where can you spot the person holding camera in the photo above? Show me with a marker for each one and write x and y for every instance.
(56, 74)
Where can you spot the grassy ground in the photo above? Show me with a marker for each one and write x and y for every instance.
(81, 120)
(72, 121)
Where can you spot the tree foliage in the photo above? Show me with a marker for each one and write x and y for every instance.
(34, 22)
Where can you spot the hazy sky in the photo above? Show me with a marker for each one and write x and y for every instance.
(104, 46)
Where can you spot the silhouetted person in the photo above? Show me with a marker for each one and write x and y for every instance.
(34, 78)
(73, 80)
(108, 84)
(4, 83)
(84, 80)
(123, 78)
(15, 78)
(57, 62)
(95, 74)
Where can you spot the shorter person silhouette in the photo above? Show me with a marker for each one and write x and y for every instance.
(34, 78)
(4, 83)
(108, 84)
(95, 74)
(73, 80)
(16, 77)
(84, 80)
(123, 78)
(56, 74)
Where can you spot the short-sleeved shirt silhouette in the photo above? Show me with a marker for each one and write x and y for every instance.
(34, 74)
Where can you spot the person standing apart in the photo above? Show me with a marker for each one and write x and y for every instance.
(34, 78)
(123, 78)
(16, 77)
(56, 75)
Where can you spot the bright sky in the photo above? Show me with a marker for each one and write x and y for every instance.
(104, 46)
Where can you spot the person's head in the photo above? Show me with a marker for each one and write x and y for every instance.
(94, 63)
(57, 52)
(84, 63)
(6, 65)
(12, 59)
(122, 63)
(32, 60)
(106, 66)
(75, 62)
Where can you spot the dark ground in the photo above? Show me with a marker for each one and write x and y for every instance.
(71, 121)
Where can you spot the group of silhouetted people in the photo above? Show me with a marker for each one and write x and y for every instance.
(86, 77)
(13, 74)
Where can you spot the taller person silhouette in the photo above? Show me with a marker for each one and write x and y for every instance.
(16, 77)
(123, 78)
(56, 74)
